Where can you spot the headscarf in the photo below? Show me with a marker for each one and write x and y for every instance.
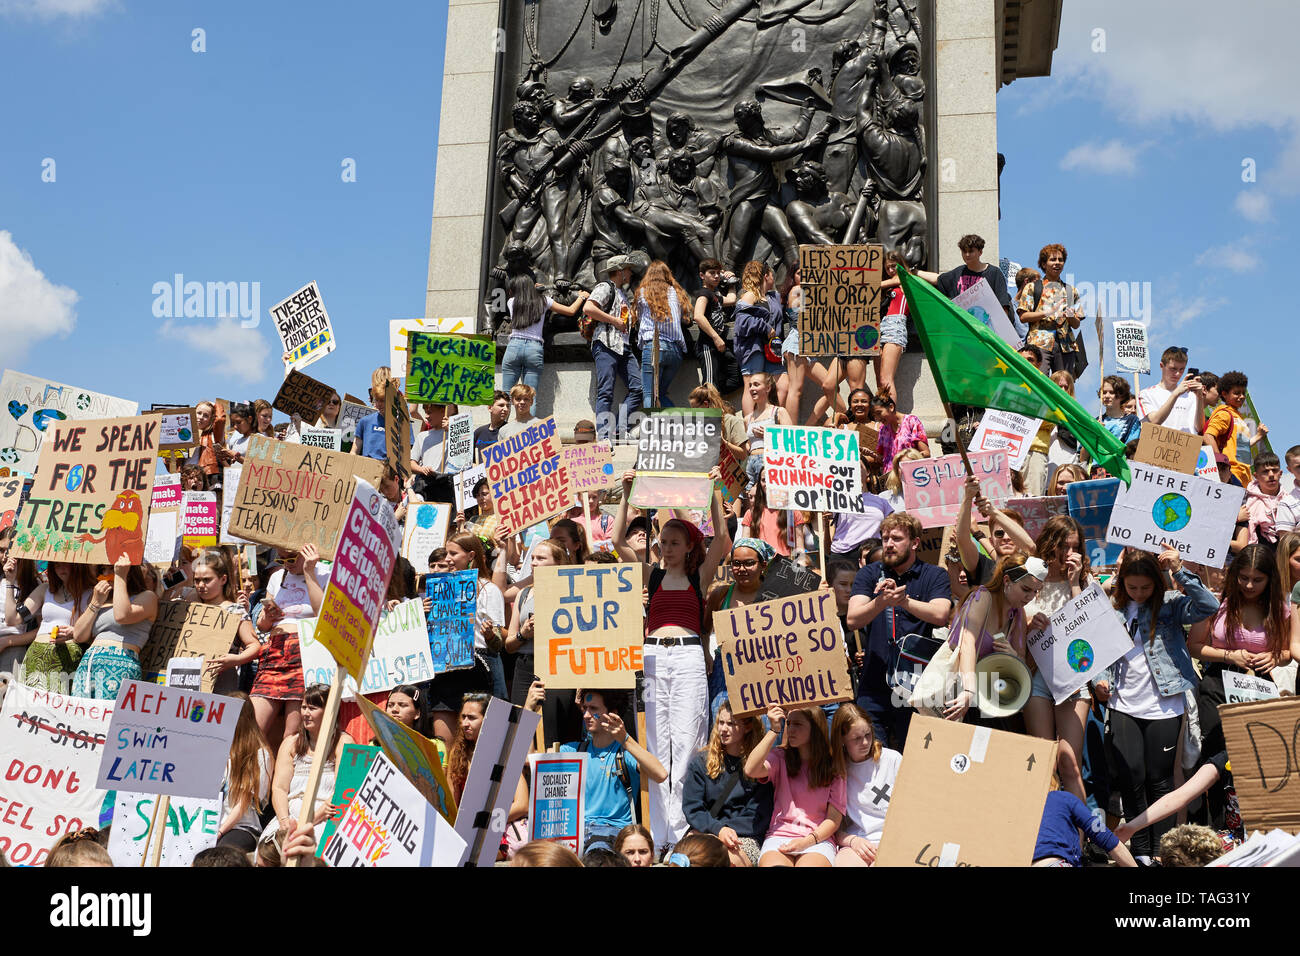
(764, 550)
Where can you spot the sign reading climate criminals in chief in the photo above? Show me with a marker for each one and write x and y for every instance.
(1163, 509)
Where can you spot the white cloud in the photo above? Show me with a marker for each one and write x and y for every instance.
(31, 306)
(50, 9)
(1113, 157)
(1178, 312)
(227, 348)
(1254, 204)
(1235, 257)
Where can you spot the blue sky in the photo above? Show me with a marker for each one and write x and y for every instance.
(225, 166)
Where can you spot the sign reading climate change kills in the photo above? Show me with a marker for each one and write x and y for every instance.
(814, 469)
(1163, 509)
(676, 450)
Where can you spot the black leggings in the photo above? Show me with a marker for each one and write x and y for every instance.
(1145, 753)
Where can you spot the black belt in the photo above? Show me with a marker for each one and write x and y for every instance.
(673, 641)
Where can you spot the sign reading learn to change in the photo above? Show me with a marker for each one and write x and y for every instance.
(841, 304)
(813, 469)
(589, 625)
(1162, 509)
(450, 369)
(788, 652)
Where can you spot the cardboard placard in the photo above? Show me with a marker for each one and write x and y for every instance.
(465, 482)
(415, 755)
(177, 429)
(813, 469)
(1162, 508)
(185, 673)
(188, 629)
(200, 519)
(452, 619)
(230, 482)
(331, 439)
(11, 498)
(304, 327)
(353, 766)
(789, 651)
(530, 482)
(1168, 448)
(982, 302)
(558, 797)
(389, 823)
(589, 625)
(302, 395)
(1090, 504)
(397, 432)
(591, 466)
(190, 827)
(168, 741)
(400, 653)
(89, 502)
(1084, 638)
(966, 796)
(450, 369)
(424, 531)
(351, 412)
(164, 531)
(932, 487)
(676, 450)
(289, 496)
(1005, 431)
(1263, 750)
(30, 405)
(460, 441)
(734, 480)
(398, 329)
(354, 596)
(841, 300)
(1131, 351)
(1038, 511)
(51, 745)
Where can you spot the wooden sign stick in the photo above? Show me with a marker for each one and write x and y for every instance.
(163, 809)
(320, 753)
(148, 834)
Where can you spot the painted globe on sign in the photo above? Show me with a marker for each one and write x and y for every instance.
(1079, 655)
(1171, 512)
(866, 336)
(981, 314)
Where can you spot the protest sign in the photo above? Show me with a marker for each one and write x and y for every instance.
(1037, 511)
(841, 300)
(51, 746)
(1163, 509)
(788, 651)
(530, 482)
(289, 496)
(425, 530)
(1084, 638)
(353, 766)
(1263, 740)
(1168, 448)
(1251, 417)
(185, 673)
(190, 827)
(465, 482)
(589, 625)
(813, 469)
(1005, 431)
(452, 619)
(230, 482)
(591, 466)
(354, 597)
(557, 798)
(397, 432)
(415, 755)
(784, 578)
(932, 487)
(331, 439)
(166, 494)
(1207, 466)
(400, 653)
(982, 302)
(164, 520)
(303, 396)
(389, 823)
(89, 502)
(966, 796)
(350, 413)
(168, 741)
(176, 429)
(1090, 504)
(11, 497)
(1242, 688)
(676, 450)
(1131, 351)
(460, 441)
(450, 369)
(30, 405)
(304, 327)
(188, 629)
(734, 480)
(398, 329)
(504, 738)
(200, 519)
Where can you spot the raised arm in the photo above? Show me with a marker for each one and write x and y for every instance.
(755, 767)
(720, 547)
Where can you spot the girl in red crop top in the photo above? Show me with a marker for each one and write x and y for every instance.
(676, 676)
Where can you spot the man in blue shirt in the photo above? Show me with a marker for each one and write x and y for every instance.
(614, 760)
(896, 596)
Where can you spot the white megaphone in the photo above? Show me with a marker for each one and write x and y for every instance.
(1003, 684)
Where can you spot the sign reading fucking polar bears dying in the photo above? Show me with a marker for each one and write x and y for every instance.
(1163, 509)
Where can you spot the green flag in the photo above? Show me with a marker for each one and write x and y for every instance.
(972, 365)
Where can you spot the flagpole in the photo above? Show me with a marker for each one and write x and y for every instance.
(1101, 354)
(956, 437)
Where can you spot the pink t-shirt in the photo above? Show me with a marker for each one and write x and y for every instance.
(798, 808)
(911, 432)
(1254, 642)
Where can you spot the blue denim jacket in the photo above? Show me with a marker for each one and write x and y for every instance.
(1167, 656)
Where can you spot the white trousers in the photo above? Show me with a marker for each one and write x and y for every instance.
(677, 723)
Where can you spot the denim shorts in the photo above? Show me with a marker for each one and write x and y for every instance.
(1040, 689)
(893, 330)
(790, 344)
(758, 362)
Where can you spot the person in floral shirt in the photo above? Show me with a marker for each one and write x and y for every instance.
(897, 432)
(1050, 309)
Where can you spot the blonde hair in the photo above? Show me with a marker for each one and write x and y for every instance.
(713, 762)
(1064, 379)
(894, 480)
(379, 380)
(846, 715)
(751, 278)
(545, 853)
(1190, 845)
(1287, 545)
